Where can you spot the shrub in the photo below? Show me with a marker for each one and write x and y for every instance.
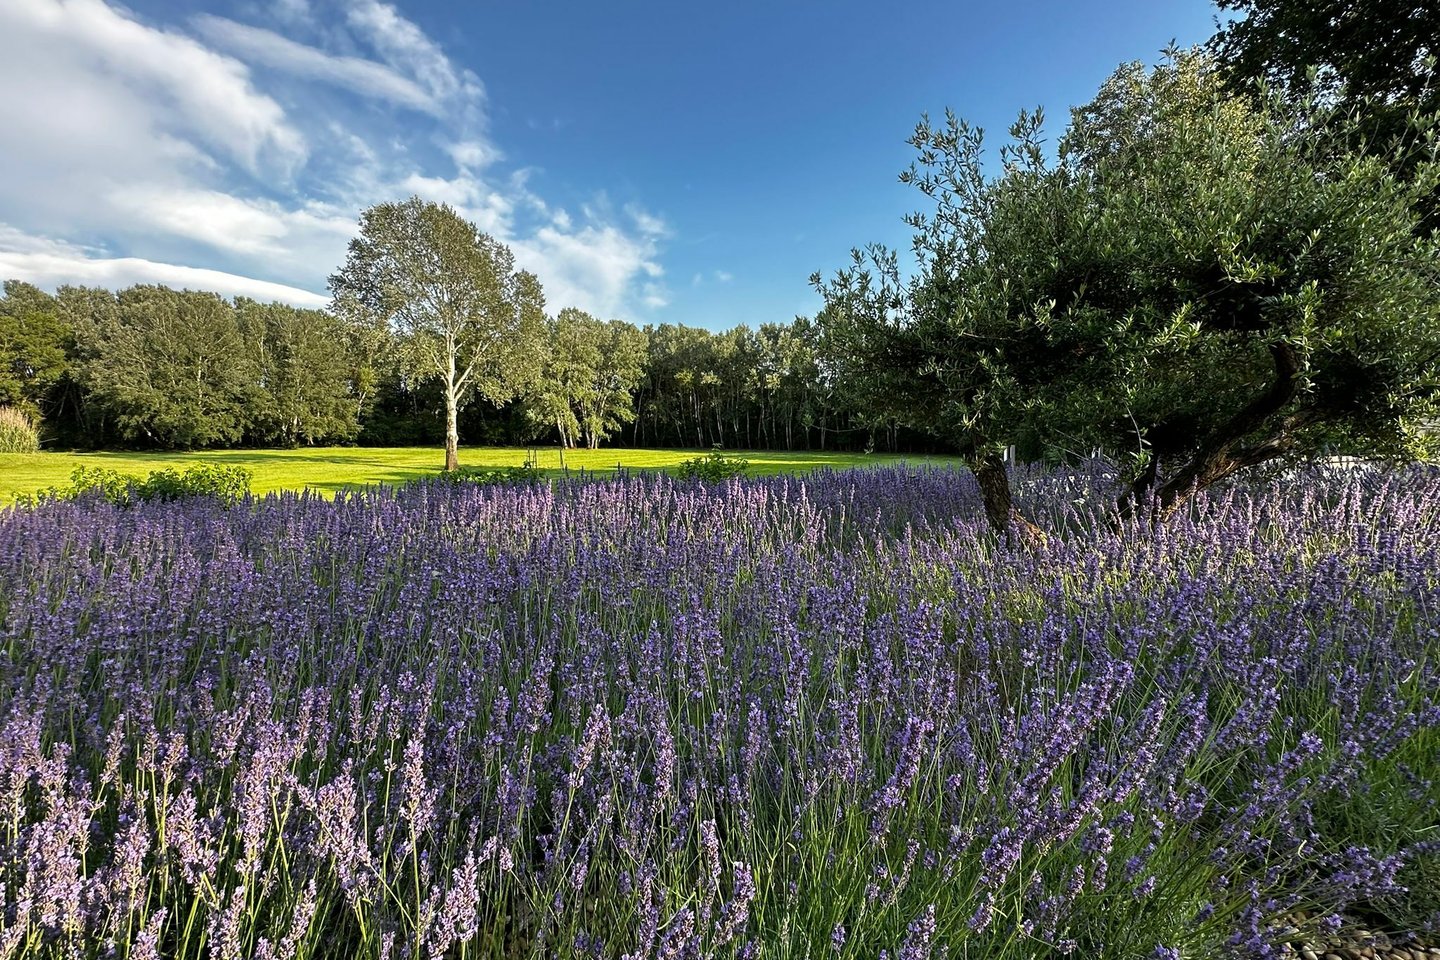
(225, 483)
(108, 484)
(712, 467)
(18, 433)
(485, 476)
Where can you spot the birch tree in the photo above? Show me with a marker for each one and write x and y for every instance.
(460, 309)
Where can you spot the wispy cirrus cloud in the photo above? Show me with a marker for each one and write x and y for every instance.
(237, 155)
(717, 276)
(270, 49)
(405, 47)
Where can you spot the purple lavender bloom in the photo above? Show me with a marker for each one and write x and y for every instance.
(641, 718)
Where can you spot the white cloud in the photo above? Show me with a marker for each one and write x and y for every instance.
(267, 48)
(217, 219)
(473, 154)
(291, 11)
(405, 47)
(262, 230)
(49, 263)
(719, 276)
(460, 192)
(136, 153)
(209, 94)
(593, 267)
(649, 225)
(96, 101)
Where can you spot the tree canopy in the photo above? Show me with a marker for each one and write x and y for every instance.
(586, 389)
(307, 377)
(154, 367)
(168, 366)
(1375, 63)
(1381, 51)
(322, 377)
(462, 311)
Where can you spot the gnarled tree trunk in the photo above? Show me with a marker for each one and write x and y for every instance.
(994, 478)
(1221, 455)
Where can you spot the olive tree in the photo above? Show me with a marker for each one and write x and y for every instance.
(461, 310)
(938, 352)
(1198, 282)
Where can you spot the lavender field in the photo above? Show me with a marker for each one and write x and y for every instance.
(819, 717)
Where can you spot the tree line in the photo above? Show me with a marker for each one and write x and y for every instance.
(151, 367)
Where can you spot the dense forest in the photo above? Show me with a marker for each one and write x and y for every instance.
(151, 367)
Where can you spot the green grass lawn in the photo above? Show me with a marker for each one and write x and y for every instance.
(329, 469)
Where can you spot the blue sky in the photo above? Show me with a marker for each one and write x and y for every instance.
(656, 161)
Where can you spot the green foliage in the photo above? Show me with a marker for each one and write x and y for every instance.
(34, 349)
(185, 370)
(712, 467)
(586, 385)
(220, 481)
(373, 362)
(567, 374)
(169, 367)
(685, 382)
(229, 484)
(610, 402)
(1375, 62)
(1374, 55)
(309, 380)
(18, 433)
(1201, 282)
(487, 476)
(765, 387)
(100, 376)
(102, 482)
(1277, 299)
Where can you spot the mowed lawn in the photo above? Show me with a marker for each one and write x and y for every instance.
(330, 469)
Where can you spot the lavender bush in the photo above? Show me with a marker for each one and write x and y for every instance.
(646, 718)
